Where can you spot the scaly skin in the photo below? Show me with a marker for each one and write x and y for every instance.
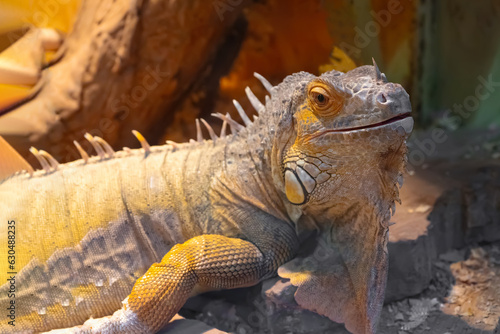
(216, 214)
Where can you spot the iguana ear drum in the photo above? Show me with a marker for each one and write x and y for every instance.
(294, 189)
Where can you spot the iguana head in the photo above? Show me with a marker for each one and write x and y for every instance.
(338, 155)
(345, 138)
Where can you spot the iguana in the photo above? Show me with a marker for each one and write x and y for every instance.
(156, 225)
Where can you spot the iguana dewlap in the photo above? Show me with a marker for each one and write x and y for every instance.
(136, 232)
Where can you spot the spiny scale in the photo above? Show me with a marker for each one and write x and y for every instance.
(256, 104)
(236, 127)
(199, 135)
(107, 148)
(84, 154)
(264, 82)
(143, 141)
(211, 132)
(41, 159)
(223, 129)
(53, 162)
(380, 76)
(95, 145)
(173, 144)
(242, 113)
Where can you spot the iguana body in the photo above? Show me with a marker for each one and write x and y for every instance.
(224, 211)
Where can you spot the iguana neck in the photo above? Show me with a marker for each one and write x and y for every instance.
(249, 167)
(373, 198)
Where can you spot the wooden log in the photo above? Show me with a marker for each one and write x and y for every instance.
(125, 65)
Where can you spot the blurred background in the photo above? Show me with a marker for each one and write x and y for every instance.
(108, 67)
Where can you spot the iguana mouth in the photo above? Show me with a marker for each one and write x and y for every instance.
(369, 126)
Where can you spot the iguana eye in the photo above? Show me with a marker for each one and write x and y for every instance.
(319, 95)
(323, 100)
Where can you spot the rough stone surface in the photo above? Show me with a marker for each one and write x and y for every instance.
(451, 200)
(475, 296)
(180, 325)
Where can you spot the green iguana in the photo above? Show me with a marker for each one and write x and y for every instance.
(156, 225)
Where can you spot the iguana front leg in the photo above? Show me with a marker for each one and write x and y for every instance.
(211, 261)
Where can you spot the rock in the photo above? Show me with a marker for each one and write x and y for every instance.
(465, 202)
(482, 202)
(180, 325)
(453, 256)
(280, 291)
(475, 296)
(410, 273)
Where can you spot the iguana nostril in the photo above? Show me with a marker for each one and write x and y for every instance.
(381, 98)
